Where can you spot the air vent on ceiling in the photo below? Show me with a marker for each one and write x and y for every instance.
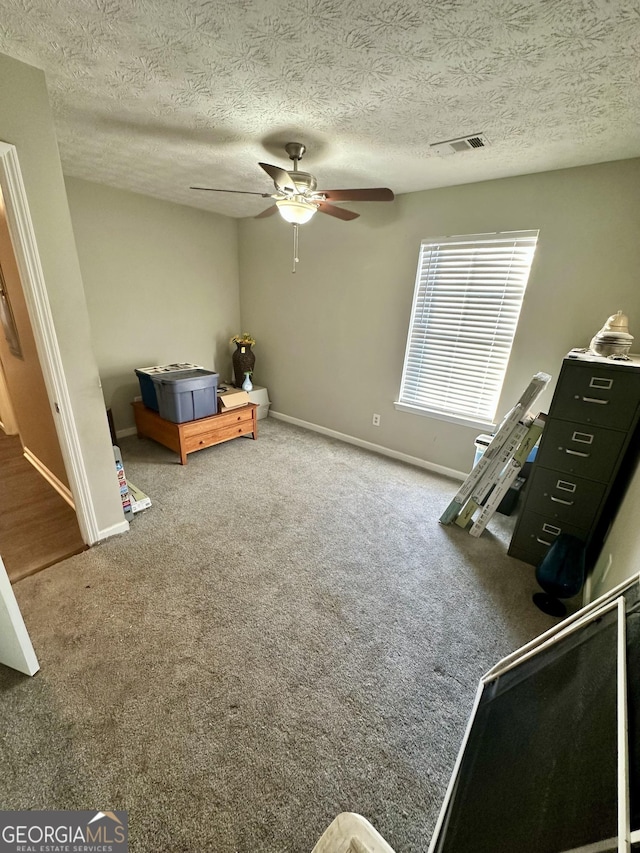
(463, 143)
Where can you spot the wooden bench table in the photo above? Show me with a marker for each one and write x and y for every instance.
(190, 436)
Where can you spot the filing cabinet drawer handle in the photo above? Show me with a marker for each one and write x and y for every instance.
(595, 400)
(577, 453)
(560, 501)
(543, 541)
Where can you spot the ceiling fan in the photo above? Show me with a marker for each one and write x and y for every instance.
(297, 198)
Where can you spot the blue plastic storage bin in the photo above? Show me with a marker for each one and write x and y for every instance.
(145, 378)
(187, 395)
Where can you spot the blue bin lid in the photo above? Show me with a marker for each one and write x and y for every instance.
(166, 368)
(188, 380)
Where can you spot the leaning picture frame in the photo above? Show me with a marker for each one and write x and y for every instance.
(8, 321)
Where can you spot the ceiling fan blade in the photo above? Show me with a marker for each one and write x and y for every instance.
(242, 192)
(374, 194)
(268, 212)
(338, 212)
(280, 177)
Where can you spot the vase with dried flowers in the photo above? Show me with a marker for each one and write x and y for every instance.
(243, 358)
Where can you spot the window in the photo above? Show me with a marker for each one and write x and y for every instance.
(466, 304)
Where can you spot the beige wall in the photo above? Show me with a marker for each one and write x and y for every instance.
(24, 381)
(331, 338)
(26, 122)
(161, 282)
(620, 557)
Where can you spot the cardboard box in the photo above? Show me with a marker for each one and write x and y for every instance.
(232, 398)
(139, 500)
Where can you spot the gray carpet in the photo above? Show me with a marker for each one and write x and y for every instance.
(286, 634)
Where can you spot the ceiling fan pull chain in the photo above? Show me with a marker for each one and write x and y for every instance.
(296, 259)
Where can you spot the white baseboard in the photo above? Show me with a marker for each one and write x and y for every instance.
(114, 530)
(368, 445)
(125, 433)
(50, 477)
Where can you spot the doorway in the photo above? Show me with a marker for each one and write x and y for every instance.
(38, 522)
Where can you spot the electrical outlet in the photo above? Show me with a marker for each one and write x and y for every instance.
(376, 420)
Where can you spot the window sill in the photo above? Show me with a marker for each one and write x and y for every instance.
(486, 426)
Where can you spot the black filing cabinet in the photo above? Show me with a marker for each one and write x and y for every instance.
(587, 453)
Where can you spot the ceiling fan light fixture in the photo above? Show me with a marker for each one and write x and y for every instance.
(296, 210)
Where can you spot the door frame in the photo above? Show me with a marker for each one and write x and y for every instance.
(25, 248)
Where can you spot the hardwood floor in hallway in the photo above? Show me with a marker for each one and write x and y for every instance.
(37, 527)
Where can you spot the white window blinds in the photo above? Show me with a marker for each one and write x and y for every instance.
(466, 304)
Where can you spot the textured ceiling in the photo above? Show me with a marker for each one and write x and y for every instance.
(157, 95)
